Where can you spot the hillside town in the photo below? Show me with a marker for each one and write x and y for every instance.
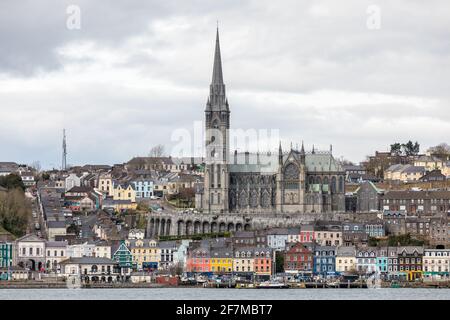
(97, 223)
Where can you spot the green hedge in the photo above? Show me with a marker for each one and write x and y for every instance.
(196, 236)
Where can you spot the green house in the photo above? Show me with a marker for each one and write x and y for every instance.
(6, 254)
(6, 260)
(123, 256)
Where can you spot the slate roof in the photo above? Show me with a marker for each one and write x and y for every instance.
(56, 224)
(407, 194)
(88, 260)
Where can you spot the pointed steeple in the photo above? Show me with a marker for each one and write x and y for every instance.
(313, 151)
(280, 154)
(217, 94)
(217, 77)
(302, 154)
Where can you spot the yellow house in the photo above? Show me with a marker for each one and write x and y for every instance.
(105, 184)
(345, 259)
(393, 172)
(145, 252)
(124, 192)
(221, 260)
(430, 163)
(244, 260)
(445, 170)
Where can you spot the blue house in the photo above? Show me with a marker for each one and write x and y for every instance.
(143, 187)
(325, 261)
(382, 260)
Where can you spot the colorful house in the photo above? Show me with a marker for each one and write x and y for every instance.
(325, 261)
(366, 260)
(299, 258)
(124, 191)
(345, 259)
(145, 253)
(436, 264)
(262, 261)
(124, 258)
(410, 261)
(221, 260)
(244, 261)
(307, 233)
(143, 188)
(382, 260)
(198, 260)
(105, 184)
(6, 254)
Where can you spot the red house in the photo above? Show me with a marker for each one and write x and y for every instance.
(299, 258)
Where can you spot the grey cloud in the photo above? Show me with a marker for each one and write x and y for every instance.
(269, 48)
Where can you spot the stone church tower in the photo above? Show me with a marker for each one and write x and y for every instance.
(217, 125)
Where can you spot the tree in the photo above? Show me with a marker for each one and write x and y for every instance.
(15, 211)
(410, 148)
(176, 269)
(346, 162)
(45, 176)
(36, 165)
(12, 181)
(279, 262)
(156, 151)
(441, 151)
(73, 229)
(396, 148)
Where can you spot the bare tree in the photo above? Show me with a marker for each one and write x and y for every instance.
(36, 165)
(157, 151)
(441, 151)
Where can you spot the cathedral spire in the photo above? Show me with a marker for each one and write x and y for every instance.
(303, 148)
(218, 100)
(280, 154)
(217, 77)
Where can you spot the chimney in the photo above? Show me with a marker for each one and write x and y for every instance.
(235, 156)
(247, 154)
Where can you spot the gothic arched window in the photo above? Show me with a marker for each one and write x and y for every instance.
(318, 180)
(341, 184)
(265, 202)
(291, 172)
(243, 201)
(253, 199)
(333, 184)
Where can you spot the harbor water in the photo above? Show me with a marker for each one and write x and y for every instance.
(225, 294)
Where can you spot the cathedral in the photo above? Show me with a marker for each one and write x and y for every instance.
(284, 182)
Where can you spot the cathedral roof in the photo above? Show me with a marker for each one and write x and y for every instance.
(253, 163)
(317, 161)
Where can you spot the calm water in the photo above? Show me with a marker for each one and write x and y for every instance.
(224, 294)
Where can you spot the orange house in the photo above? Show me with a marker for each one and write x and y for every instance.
(262, 261)
(199, 260)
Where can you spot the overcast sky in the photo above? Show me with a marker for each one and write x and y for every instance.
(136, 71)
